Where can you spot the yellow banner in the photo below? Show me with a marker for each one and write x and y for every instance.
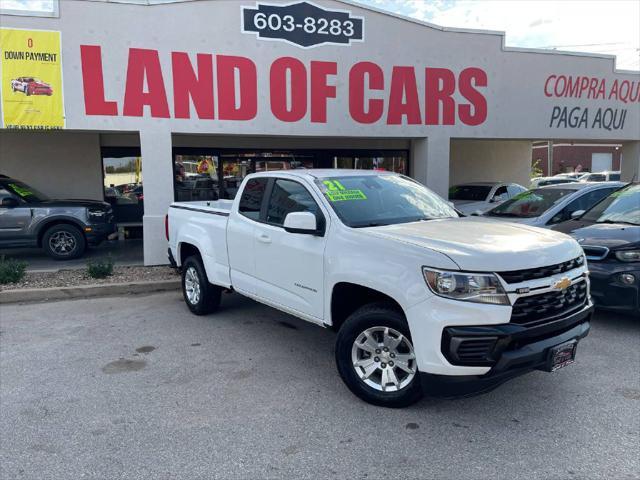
(31, 87)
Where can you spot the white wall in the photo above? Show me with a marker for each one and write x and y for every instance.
(59, 164)
(490, 160)
(630, 167)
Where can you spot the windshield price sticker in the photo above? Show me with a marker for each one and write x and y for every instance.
(336, 192)
(23, 192)
(303, 24)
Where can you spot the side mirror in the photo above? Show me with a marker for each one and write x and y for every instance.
(9, 202)
(577, 214)
(301, 222)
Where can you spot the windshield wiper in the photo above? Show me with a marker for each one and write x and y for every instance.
(495, 214)
(370, 224)
(619, 221)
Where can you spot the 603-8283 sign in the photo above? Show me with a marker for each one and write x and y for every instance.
(303, 24)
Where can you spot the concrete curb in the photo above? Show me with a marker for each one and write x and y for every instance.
(30, 295)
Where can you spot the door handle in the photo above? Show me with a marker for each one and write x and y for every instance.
(264, 238)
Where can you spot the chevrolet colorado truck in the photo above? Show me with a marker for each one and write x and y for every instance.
(423, 301)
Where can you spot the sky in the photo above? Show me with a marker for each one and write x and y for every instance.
(599, 26)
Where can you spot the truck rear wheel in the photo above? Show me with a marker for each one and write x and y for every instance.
(200, 296)
(375, 357)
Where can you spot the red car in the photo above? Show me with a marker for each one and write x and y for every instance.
(31, 86)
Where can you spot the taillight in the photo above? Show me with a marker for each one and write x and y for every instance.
(166, 226)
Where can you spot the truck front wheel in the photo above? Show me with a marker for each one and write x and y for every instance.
(200, 296)
(375, 357)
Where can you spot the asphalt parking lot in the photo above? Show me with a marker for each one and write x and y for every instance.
(137, 387)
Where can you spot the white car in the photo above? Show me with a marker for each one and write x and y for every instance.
(601, 177)
(547, 206)
(545, 181)
(569, 175)
(422, 300)
(481, 196)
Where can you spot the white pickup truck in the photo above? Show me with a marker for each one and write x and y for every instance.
(424, 302)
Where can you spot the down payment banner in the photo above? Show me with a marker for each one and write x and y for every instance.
(31, 79)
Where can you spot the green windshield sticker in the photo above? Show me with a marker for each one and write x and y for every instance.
(333, 185)
(343, 195)
(23, 192)
(336, 192)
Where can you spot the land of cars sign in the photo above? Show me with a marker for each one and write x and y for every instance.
(302, 23)
(298, 90)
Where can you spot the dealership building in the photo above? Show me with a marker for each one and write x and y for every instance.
(185, 98)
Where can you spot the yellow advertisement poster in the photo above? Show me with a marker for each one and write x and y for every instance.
(31, 70)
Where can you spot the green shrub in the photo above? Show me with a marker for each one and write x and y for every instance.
(11, 270)
(101, 268)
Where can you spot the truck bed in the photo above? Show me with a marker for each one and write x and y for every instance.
(208, 206)
(204, 226)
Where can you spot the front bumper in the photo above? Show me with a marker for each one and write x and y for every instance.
(98, 232)
(608, 291)
(523, 350)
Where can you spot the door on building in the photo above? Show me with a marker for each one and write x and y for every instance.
(601, 162)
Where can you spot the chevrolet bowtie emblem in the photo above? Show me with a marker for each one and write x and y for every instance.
(562, 284)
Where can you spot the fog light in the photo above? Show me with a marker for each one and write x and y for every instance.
(627, 278)
(88, 229)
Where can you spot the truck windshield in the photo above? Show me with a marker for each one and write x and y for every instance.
(25, 192)
(529, 204)
(622, 206)
(375, 200)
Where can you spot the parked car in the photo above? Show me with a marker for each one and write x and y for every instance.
(479, 197)
(422, 299)
(31, 86)
(545, 181)
(570, 175)
(62, 228)
(610, 236)
(547, 206)
(601, 177)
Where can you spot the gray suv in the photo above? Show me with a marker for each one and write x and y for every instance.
(62, 228)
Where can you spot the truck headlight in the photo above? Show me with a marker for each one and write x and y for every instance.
(628, 255)
(469, 287)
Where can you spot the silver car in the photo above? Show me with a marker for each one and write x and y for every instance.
(546, 206)
(479, 197)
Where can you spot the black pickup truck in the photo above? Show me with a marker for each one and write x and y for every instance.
(62, 228)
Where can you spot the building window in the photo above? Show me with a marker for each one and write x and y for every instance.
(29, 8)
(384, 161)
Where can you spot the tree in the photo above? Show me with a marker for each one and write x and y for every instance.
(536, 169)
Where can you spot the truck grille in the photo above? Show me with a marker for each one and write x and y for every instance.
(518, 276)
(548, 305)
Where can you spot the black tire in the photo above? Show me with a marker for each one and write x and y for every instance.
(366, 317)
(74, 242)
(208, 299)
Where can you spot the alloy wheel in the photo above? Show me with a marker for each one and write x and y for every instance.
(384, 359)
(62, 242)
(192, 285)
